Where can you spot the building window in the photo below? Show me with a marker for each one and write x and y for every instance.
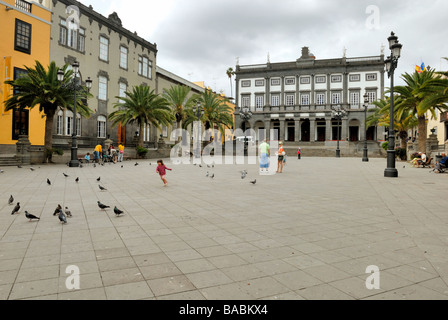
(305, 80)
(371, 77)
(102, 88)
(104, 49)
(144, 67)
(245, 83)
(336, 98)
(305, 99)
(60, 123)
(259, 102)
(372, 96)
(82, 40)
(320, 99)
(101, 127)
(290, 100)
(63, 32)
(68, 123)
(275, 100)
(122, 91)
(321, 79)
(245, 101)
(165, 131)
(22, 37)
(355, 77)
(275, 82)
(354, 99)
(336, 78)
(124, 57)
(290, 81)
(259, 83)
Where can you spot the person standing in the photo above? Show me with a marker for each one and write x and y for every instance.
(120, 152)
(299, 154)
(161, 170)
(265, 153)
(281, 156)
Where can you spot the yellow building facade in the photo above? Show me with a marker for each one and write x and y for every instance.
(24, 39)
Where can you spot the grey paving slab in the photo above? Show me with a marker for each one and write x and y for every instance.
(309, 233)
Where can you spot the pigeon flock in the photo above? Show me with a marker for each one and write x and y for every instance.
(64, 214)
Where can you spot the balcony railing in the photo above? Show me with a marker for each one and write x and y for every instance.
(23, 5)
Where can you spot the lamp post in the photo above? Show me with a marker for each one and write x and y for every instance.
(74, 163)
(365, 157)
(245, 116)
(339, 113)
(392, 64)
(199, 112)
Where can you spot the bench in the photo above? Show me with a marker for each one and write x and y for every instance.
(425, 164)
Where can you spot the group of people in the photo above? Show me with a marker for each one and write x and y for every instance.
(422, 158)
(112, 153)
(265, 153)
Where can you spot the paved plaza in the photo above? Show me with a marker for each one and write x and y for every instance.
(309, 233)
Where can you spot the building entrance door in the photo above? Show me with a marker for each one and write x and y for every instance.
(306, 131)
(291, 134)
(354, 134)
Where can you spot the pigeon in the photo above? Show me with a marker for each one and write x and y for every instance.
(94, 165)
(81, 166)
(56, 211)
(254, 182)
(32, 169)
(102, 206)
(150, 163)
(243, 175)
(30, 216)
(11, 200)
(19, 166)
(68, 212)
(136, 164)
(208, 166)
(2, 171)
(48, 182)
(200, 166)
(102, 188)
(212, 176)
(122, 166)
(99, 178)
(16, 209)
(207, 174)
(117, 211)
(65, 175)
(62, 217)
(77, 180)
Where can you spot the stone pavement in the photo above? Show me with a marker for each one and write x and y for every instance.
(309, 233)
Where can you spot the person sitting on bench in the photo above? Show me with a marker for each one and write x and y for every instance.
(422, 160)
(441, 165)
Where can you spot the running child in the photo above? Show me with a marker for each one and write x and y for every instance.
(161, 170)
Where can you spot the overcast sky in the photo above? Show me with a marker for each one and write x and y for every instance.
(200, 39)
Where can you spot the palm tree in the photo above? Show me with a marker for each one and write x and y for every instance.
(217, 113)
(179, 100)
(141, 107)
(230, 73)
(40, 87)
(417, 98)
(381, 117)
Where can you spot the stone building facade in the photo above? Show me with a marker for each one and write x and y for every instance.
(296, 98)
(115, 58)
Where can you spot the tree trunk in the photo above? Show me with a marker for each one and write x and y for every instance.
(49, 131)
(141, 135)
(422, 134)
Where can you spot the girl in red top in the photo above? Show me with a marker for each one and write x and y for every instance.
(161, 170)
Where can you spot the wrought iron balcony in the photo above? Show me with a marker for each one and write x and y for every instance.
(23, 5)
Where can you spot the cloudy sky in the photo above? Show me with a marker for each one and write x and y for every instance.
(200, 39)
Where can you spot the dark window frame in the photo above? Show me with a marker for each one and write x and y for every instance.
(16, 34)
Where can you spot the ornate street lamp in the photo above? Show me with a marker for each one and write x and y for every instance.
(339, 113)
(365, 157)
(199, 112)
(245, 115)
(392, 64)
(74, 163)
